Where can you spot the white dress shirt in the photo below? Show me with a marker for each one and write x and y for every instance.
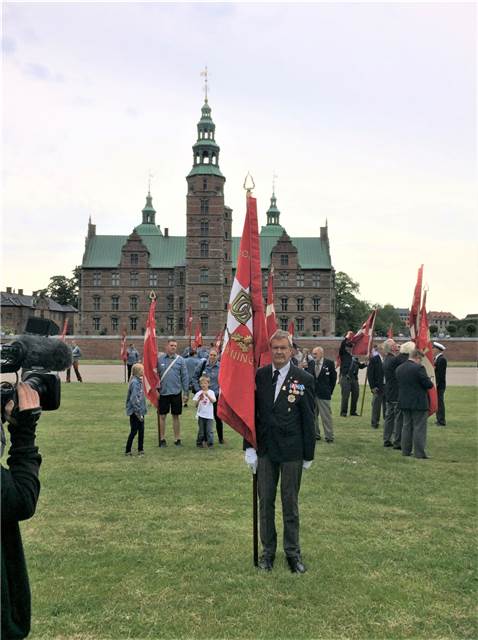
(282, 376)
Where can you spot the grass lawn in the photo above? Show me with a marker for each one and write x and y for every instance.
(160, 546)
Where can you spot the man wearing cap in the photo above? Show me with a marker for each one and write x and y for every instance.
(440, 378)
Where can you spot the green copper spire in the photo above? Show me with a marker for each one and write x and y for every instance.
(148, 226)
(206, 150)
(273, 212)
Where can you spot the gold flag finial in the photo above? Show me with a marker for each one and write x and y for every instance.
(249, 184)
(152, 295)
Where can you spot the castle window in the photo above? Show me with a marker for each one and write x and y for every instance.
(134, 279)
(225, 255)
(153, 279)
(115, 303)
(284, 304)
(315, 324)
(181, 277)
(205, 157)
(133, 323)
(225, 279)
(204, 324)
(181, 303)
(226, 235)
(284, 324)
(96, 324)
(170, 279)
(180, 323)
(316, 303)
(170, 303)
(170, 324)
(204, 184)
(204, 227)
(204, 205)
(204, 275)
(284, 259)
(133, 303)
(204, 248)
(316, 279)
(299, 324)
(134, 259)
(283, 279)
(300, 304)
(300, 279)
(115, 279)
(266, 279)
(204, 301)
(97, 279)
(114, 325)
(96, 303)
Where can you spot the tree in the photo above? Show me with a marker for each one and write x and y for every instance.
(351, 312)
(62, 289)
(470, 329)
(387, 316)
(433, 329)
(452, 329)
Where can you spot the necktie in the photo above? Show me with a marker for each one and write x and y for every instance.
(318, 368)
(275, 377)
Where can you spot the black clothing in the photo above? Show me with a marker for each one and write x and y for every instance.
(390, 364)
(20, 491)
(413, 383)
(375, 373)
(285, 428)
(326, 380)
(137, 427)
(440, 371)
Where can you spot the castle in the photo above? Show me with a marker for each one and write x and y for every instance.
(119, 272)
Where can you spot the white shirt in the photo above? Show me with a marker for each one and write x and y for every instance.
(205, 408)
(282, 376)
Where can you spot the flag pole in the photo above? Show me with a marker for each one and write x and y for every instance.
(368, 358)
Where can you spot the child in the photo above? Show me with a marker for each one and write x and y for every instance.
(204, 401)
(136, 408)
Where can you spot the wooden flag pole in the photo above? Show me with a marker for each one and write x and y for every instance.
(124, 364)
(255, 538)
(363, 394)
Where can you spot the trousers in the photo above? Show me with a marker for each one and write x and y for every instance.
(324, 412)
(349, 387)
(137, 427)
(414, 433)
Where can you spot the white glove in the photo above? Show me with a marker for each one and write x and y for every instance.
(250, 459)
(306, 464)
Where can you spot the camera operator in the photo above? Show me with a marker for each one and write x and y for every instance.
(20, 490)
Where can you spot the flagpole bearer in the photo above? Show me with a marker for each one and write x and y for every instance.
(368, 358)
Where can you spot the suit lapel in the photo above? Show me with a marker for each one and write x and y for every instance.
(285, 386)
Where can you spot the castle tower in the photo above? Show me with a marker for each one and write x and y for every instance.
(208, 242)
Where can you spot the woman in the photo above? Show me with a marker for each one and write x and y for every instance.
(136, 409)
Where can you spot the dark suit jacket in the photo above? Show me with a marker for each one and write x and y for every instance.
(375, 373)
(440, 372)
(325, 383)
(390, 364)
(413, 383)
(285, 430)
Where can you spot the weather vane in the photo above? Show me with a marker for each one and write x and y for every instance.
(204, 74)
(150, 177)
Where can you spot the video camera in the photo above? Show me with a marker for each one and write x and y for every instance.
(39, 356)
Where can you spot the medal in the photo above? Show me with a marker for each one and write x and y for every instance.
(291, 398)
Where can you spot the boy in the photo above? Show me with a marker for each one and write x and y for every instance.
(204, 400)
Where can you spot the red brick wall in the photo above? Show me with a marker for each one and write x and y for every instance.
(108, 347)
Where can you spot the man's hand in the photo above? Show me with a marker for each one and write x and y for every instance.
(306, 464)
(250, 459)
(28, 398)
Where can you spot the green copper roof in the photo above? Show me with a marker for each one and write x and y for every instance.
(275, 230)
(148, 229)
(104, 252)
(205, 170)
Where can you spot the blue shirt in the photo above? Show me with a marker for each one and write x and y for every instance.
(177, 379)
(132, 356)
(135, 401)
(209, 370)
(191, 365)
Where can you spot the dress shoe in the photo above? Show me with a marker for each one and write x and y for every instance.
(318, 438)
(354, 414)
(374, 426)
(387, 444)
(296, 565)
(397, 446)
(422, 457)
(265, 563)
(343, 415)
(329, 440)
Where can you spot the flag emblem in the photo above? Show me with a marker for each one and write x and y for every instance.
(241, 307)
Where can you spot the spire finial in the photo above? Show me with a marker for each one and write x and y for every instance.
(274, 176)
(204, 74)
(150, 177)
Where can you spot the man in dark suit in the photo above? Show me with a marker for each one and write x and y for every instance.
(413, 384)
(325, 378)
(390, 349)
(375, 377)
(285, 436)
(349, 368)
(440, 378)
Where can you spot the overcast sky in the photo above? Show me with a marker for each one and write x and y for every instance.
(366, 112)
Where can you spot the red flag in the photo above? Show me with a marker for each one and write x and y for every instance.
(246, 334)
(65, 327)
(123, 354)
(424, 344)
(271, 321)
(218, 341)
(390, 331)
(198, 336)
(414, 317)
(291, 328)
(362, 340)
(150, 357)
(189, 322)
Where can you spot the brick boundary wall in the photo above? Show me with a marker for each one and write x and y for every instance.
(108, 347)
